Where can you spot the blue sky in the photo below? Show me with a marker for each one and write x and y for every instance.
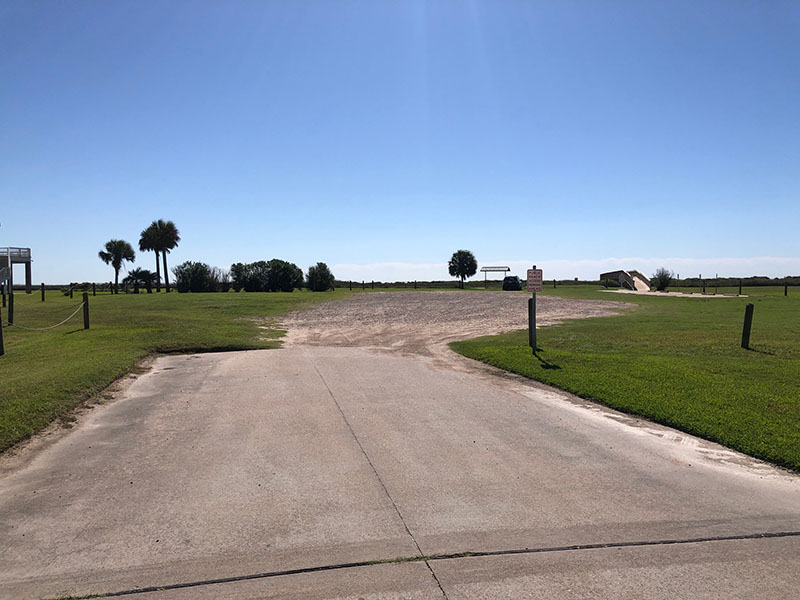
(379, 137)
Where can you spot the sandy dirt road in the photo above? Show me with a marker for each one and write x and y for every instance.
(378, 472)
(423, 323)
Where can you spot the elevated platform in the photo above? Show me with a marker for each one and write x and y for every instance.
(12, 256)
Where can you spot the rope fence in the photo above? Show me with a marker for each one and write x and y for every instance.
(82, 304)
(10, 319)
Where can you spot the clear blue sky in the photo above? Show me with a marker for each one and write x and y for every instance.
(569, 133)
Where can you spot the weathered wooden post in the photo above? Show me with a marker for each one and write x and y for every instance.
(94, 290)
(43, 292)
(785, 289)
(363, 287)
(11, 306)
(351, 285)
(554, 284)
(373, 284)
(415, 284)
(86, 310)
(740, 287)
(70, 291)
(2, 348)
(3, 290)
(748, 321)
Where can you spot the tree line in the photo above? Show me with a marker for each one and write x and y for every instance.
(162, 236)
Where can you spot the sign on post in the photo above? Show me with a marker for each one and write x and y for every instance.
(534, 280)
(534, 285)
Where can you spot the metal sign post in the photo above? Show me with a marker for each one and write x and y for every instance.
(534, 285)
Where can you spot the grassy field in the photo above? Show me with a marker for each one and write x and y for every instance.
(676, 361)
(44, 375)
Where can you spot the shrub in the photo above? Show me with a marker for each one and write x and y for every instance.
(661, 279)
(275, 275)
(320, 278)
(194, 277)
(283, 276)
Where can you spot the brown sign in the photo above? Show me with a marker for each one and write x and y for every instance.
(534, 280)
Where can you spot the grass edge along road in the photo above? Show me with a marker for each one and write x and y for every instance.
(675, 361)
(45, 375)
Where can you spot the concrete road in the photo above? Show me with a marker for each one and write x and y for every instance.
(349, 473)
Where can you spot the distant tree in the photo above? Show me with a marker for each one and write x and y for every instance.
(115, 253)
(194, 277)
(462, 264)
(165, 239)
(320, 278)
(662, 278)
(222, 279)
(148, 242)
(262, 276)
(283, 276)
(143, 277)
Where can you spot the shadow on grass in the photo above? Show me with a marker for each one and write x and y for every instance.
(545, 364)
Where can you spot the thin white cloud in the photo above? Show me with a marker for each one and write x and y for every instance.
(770, 266)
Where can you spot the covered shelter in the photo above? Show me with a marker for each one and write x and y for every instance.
(10, 257)
(487, 270)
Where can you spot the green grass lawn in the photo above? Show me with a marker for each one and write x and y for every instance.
(44, 375)
(676, 361)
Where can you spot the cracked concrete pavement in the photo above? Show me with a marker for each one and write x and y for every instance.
(288, 473)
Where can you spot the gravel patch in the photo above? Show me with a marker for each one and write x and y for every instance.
(423, 323)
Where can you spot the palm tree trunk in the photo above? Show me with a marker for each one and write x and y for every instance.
(116, 281)
(158, 273)
(166, 275)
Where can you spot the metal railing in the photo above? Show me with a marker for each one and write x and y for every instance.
(16, 254)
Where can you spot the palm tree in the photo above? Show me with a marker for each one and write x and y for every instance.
(166, 238)
(147, 242)
(117, 251)
(142, 277)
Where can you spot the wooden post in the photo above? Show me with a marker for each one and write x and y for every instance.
(748, 321)
(2, 348)
(11, 306)
(86, 310)
(415, 284)
(94, 290)
(532, 321)
(70, 291)
(363, 287)
(43, 292)
(373, 284)
(3, 291)
(740, 287)
(351, 285)
(785, 289)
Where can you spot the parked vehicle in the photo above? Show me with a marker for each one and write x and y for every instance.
(512, 282)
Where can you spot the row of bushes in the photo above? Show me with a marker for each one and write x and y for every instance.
(275, 275)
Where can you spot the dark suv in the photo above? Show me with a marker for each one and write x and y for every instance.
(512, 282)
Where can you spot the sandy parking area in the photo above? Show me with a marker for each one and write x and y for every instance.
(423, 323)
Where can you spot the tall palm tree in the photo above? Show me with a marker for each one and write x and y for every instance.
(167, 238)
(147, 242)
(117, 251)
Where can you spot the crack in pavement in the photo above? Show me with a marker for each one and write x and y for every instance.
(377, 476)
(434, 557)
